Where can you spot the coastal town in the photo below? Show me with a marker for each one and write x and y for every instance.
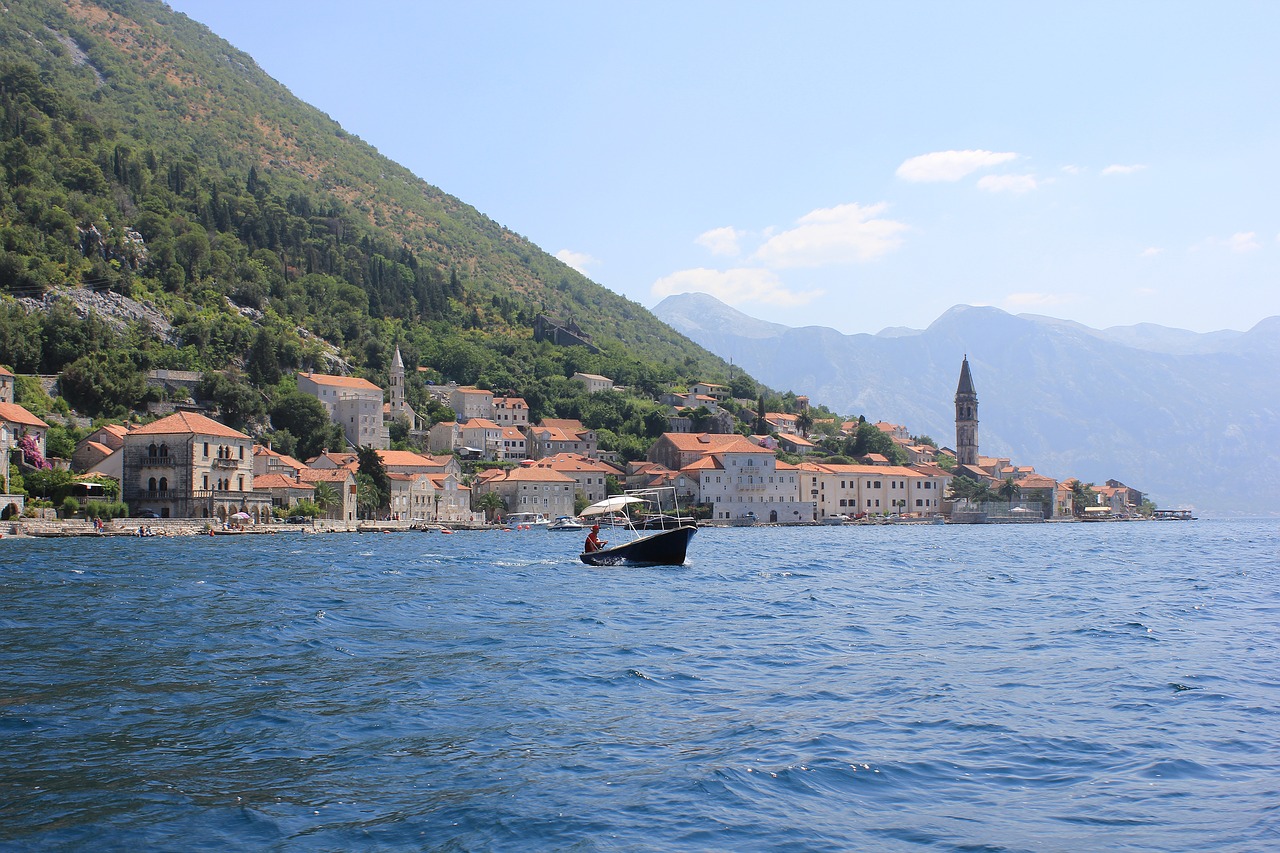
(186, 472)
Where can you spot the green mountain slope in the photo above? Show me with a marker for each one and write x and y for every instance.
(144, 156)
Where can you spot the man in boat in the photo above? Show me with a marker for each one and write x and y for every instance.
(593, 539)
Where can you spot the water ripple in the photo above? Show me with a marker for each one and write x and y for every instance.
(1062, 687)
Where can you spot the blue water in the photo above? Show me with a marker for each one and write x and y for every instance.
(1052, 687)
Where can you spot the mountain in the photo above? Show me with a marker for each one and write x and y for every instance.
(1191, 420)
(145, 158)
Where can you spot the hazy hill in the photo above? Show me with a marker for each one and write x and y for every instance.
(1191, 419)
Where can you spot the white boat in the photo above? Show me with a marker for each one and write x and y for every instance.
(527, 519)
(566, 522)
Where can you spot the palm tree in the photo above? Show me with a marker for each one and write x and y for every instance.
(1082, 495)
(326, 496)
(490, 502)
(804, 423)
(1009, 489)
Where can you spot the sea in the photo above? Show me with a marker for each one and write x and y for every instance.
(1052, 687)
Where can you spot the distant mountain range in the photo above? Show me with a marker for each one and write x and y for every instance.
(1191, 419)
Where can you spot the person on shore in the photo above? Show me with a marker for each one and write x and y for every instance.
(593, 540)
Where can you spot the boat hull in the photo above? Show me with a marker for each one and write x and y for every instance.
(661, 548)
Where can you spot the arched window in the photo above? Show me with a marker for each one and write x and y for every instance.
(164, 484)
(151, 450)
(164, 450)
(151, 484)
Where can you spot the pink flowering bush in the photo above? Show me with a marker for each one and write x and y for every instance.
(31, 453)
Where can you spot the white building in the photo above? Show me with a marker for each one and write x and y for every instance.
(742, 479)
(353, 403)
(468, 402)
(529, 489)
(594, 382)
(874, 489)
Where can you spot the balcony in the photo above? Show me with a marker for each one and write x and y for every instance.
(225, 463)
(157, 462)
(154, 495)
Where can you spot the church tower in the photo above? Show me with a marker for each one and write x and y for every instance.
(398, 408)
(966, 417)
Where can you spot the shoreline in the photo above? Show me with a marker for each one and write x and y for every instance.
(34, 528)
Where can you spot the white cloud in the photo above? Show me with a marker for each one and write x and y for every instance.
(1240, 242)
(1245, 241)
(1117, 169)
(578, 260)
(1023, 300)
(1008, 183)
(735, 286)
(950, 165)
(721, 241)
(843, 234)
(1151, 251)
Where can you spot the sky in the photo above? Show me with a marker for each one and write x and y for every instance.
(848, 164)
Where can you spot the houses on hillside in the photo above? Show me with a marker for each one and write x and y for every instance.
(188, 465)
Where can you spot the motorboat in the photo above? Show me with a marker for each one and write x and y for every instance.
(520, 520)
(664, 546)
(566, 522)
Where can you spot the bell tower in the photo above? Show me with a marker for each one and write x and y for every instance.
(397, 385)
(966, 417)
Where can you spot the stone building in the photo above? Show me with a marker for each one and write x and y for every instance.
(189, 466)
(966, 418)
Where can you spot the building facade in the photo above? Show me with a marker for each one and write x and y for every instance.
(189, 466)
(353, 403)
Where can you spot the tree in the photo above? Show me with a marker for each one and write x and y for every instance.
(974, 491)
(238, 402)
(262, 363)
(1082, 495)
(490, 503)
(761, 428)
(325, 496)
(1009, 489)
(804, 423)
(309, 508)
(374, 472)
(308, 421)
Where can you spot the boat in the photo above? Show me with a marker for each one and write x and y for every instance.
(527, 520)
(834, 520)
(566, 522)
(662, 521)
(664, 546)
(1173, 515)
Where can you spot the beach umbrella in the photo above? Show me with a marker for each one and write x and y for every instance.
(242, 516)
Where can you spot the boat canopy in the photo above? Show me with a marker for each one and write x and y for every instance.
(612, 504)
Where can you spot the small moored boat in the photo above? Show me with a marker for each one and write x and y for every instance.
(566, 522)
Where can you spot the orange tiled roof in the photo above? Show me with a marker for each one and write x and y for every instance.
(278, 481)
(328, 475)
(187, 423)
(404, 457)
(537, 475)
(15, 414)
(352, 382)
